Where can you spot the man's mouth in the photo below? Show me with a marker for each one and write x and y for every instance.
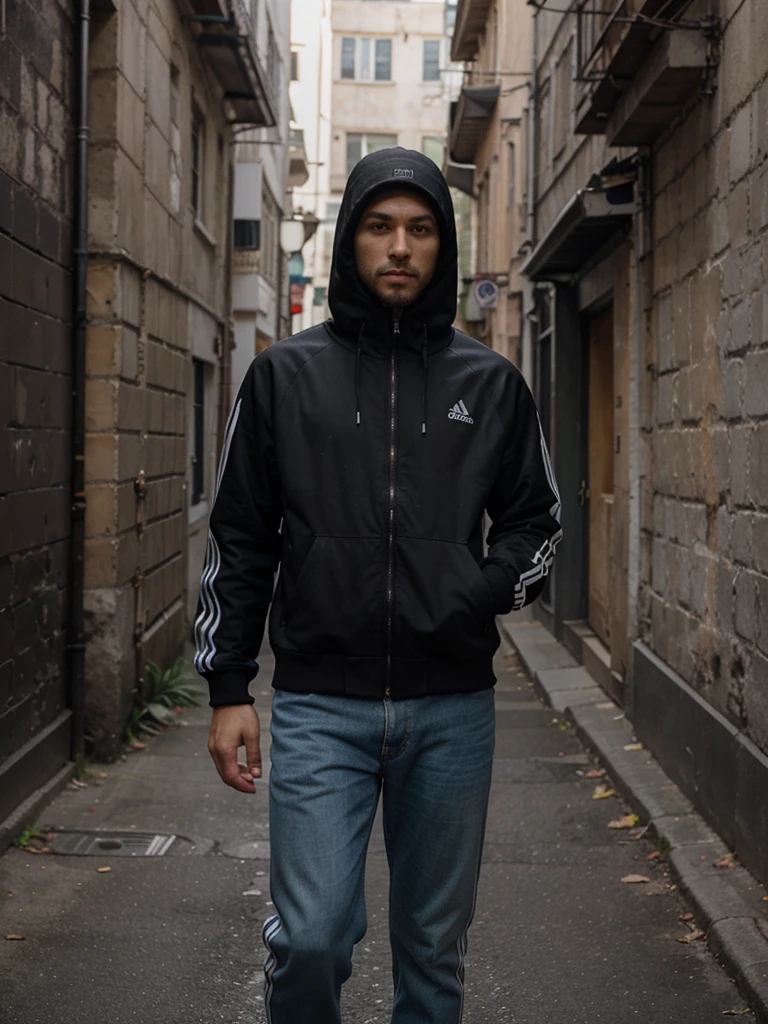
(398, 273)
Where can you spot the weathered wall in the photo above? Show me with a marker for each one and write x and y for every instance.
(156, 290)
(36, 100)
(706, 613)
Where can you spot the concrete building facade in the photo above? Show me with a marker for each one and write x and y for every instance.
(37, 99)
(311, 83)
(486, 160)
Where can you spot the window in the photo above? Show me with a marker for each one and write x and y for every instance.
(247, 234)
(294, 65)
(563, 76)
(270, 238)
(383, 60)
(512, 191)
(198, 156)
(361, 144)
(431, 67)
(365, 59)
(432, 146)
(198, 431)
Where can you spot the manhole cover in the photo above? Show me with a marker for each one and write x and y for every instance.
(84, 843)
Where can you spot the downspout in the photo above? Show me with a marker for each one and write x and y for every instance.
(227, 341)
(76, 639)
(530, 197)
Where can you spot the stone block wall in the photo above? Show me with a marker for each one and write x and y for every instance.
(704, 606)
(36, 101)
(157, 269)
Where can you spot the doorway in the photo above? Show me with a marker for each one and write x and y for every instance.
(600, 472)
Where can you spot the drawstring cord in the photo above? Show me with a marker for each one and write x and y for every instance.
(357, 373)
(425, 364)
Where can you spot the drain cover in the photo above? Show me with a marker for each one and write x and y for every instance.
(85, 843)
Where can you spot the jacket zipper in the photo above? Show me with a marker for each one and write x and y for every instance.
(391, 518)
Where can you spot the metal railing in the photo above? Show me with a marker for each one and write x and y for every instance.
(600, 27)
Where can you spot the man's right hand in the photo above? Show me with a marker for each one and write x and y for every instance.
(234, 726)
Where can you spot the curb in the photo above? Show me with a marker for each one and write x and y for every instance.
(26, 813)
(735, 921)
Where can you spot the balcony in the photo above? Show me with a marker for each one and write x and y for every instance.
(224, 33)
(298, 165)
(638, 69)
(471, 115)
(471, 20)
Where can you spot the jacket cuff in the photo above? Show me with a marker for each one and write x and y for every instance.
(499, 586)
(229, 688)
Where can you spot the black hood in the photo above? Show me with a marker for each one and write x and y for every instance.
(353, 306)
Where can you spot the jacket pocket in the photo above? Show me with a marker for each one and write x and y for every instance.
(443, 603)
(336, 604)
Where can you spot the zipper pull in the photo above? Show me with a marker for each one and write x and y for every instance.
(397, 325)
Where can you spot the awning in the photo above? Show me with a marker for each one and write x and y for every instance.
(460, 176)
(473, 112)
(585, 225)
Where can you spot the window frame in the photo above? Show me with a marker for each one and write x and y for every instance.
(197, 162)
(197, 490)
(364, 148)
(366, 58)
(429, 43)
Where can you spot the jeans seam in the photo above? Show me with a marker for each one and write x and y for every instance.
(384, 749)
(408, 731)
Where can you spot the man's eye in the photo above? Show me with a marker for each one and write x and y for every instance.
(375, 227)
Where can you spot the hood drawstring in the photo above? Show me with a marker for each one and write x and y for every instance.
(425, 364)
(357, 373)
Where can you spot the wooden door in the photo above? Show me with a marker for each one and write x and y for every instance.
(600, 468)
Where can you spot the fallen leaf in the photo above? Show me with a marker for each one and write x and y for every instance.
(594, 773)
(633, 746)
(102, 870)
(628, 821)
(78, 784)
(656, 855)
(10, 894)
(687, 916)
(730, 860)
(103, 775)
(693, 936)
(735, 1013)
(178, 709)
(638, 833)
(635, 879)
(602, 792)
(14, 936)
(765, 899)
(138, 745)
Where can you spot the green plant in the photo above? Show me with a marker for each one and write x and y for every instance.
(30, 832)
(157, 694)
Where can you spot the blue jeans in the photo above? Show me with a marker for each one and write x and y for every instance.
(331, 757)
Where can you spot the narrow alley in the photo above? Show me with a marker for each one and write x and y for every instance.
(557, 939)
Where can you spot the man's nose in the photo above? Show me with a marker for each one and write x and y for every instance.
(399, 246)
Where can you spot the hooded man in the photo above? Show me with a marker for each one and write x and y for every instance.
(360, 458)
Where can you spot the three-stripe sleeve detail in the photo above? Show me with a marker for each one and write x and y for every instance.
(209, 617)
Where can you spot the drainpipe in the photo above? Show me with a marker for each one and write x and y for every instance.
(530, 216)
(76, 644)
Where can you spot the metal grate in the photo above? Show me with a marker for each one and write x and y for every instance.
(86, 843)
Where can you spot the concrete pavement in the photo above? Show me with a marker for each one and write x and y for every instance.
(558, 938)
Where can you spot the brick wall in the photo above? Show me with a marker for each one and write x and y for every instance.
(36, 69)
(705, 596)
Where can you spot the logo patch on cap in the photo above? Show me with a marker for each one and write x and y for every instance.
(402, 172)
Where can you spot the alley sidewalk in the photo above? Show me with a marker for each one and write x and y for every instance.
(175, 939)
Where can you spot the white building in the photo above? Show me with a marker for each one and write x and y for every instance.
(260, 279)
(311, 78)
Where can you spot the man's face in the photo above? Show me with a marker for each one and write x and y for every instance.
(396, 247)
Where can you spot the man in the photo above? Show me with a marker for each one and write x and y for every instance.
(360, 456)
